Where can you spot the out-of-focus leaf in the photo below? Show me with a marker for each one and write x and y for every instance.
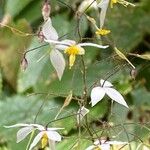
(127, 26)
(141, 97)
(143, 56)
(0, 82)
(11, 8)
(12, 45)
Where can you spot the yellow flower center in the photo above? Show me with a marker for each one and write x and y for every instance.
(97, 148)
(72, 51)
(102, 32)
(44, 140)
(123, 2)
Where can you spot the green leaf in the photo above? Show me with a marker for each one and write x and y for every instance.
(11, 9)
(12, 48)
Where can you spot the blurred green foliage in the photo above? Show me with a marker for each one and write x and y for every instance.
(130, 32)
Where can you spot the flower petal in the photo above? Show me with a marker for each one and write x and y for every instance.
(38, 126)
(53, 135)
(53, 129)
(81, 113)
(49, 31)
(81, 50)
(69, 42)
(97, 94)
(36, 140)
(58, 62)
(105, 146)
(103, 5)
(105, 83)
(72, 59)
(93, 45)
(51, 145)
(116, 96)
(18, 125)
(116, 142)
(23, 132)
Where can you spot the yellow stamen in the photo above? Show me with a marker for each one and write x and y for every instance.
(72, 51)
(102, 32)
(44, 140)
(123, 2)
(72, 59)
(97, 148)
(113, 2)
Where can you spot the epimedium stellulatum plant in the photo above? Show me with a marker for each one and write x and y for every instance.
(72, 48)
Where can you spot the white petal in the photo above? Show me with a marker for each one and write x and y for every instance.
(97, 94)
(53, 129)
(81, 113)
(53, 135)
(23, 132)
(93, 45)
(116, 142)
(103, 5)
(51, 145)
(18, 125)
(36, 140)
(38, 126)
(105, 83)
(116, 96)
(57, 42)
(105, 146)
(58, 62)
(49, 31)
(61, 47)
(69, 42)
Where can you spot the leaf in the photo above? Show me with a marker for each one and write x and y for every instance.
(143, 56)
(122, 56)
(11, 8)
(0, 82)
(58, 62)
(12, 46)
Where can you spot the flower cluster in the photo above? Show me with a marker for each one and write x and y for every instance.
(48, 34)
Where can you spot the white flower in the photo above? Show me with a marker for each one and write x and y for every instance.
(46, 136)
(81, 113)
(25, 130)
(103, 4)
(105, 87)
(72, 48)
(104, 145)
(56, 57)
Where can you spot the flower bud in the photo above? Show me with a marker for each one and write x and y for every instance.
(24, 64)
(46, 9)
(133, 73)
(40, 35)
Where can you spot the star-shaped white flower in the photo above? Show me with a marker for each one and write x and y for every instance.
(104, 145)
(103, 4)
(47, 136)
(56, 57)
(25, 130)
(69, 47)
(81, 113)
(106, 87)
